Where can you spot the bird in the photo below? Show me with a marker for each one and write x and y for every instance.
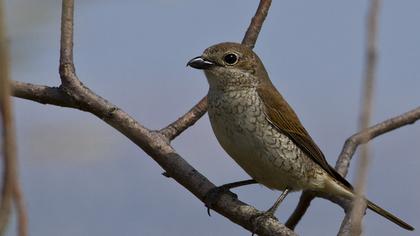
(261, 132)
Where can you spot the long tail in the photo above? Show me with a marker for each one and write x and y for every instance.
(388, 215)
(344, 189)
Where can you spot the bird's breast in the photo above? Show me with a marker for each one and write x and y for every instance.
(240, 125)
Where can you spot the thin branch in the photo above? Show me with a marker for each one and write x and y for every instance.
(342, 164)
(359, 202)
(188, 119)
(66, 41)
(365, 136)
(348, 150)
(300, 210)
(41, 94)
(11, 190)
(184, 122)
(69, 80)
(22, 212)
(257, 21)
(8, 139)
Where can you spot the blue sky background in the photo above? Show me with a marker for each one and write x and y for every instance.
(81, 177)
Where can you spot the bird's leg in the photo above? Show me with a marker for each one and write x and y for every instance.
(214, 193)
(276, 205)
(270, 212)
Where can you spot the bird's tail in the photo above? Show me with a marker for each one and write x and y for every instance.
(388, 215)
(346, 191)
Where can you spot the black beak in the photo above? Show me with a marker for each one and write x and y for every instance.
(200, 63)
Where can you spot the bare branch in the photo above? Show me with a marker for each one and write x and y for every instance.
(257, 21)
(365, 136)
(359, 202)
(69, 81)
(22, 212)
(184, 122)
(195, 113)
(11, 190)
(72, 93)
(156, 146)
(8, 135)
(343, 163)
(66, 42)
(300, 210)
(42, 94)
(348, 150)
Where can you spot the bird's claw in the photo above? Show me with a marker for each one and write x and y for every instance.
(214, 194)
(258, 218)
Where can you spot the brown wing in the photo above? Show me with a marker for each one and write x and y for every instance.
(282, 117)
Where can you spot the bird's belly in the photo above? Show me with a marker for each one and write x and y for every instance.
(268, 156)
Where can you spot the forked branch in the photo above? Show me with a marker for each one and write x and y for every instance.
(72, 93)
(348, 150)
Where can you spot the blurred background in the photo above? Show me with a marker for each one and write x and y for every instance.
(81, 177)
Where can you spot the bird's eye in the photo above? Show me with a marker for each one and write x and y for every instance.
(230, 59)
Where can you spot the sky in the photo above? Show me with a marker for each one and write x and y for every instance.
(81, 177)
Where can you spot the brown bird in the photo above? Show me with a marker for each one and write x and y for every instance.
(261, 132)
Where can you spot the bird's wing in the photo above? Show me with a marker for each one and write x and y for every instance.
(283, 118)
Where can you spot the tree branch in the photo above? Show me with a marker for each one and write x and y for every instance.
(184, 122)
(11, 190)
(300, 210)
(8, 135)
(359, 203)
(348, 150)
(41, 94)
(365, 136)
(257, 21)
(350, 146)
(72, 93)
(195, 113)
(66, 40)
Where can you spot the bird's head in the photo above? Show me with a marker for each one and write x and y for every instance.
(230, 66)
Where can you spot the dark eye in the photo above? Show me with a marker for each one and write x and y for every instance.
(230, 58)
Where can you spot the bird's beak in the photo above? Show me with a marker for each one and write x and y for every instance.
(200, 63)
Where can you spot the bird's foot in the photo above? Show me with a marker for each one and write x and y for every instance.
(214, 194)
(257, 219)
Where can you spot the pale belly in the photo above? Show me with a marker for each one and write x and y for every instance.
(268, 156)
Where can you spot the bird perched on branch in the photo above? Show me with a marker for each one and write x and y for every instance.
(261, 132)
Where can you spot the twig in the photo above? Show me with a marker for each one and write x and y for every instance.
(348, 150)
(69, 80)
(257, 21)
(11, 189)
(66, 40)
(359, 202)
(196, 112)
(343, 163)
(7, 130)
(22, 213)
(42, 94)
(184, 122)
(365, 136)
(300, 210)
